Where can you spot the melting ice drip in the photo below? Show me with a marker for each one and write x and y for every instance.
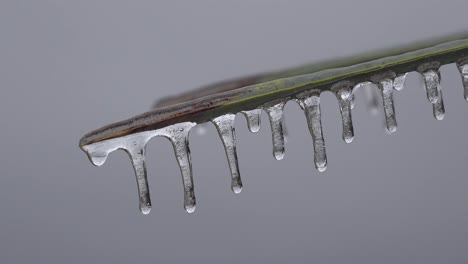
(309, 101)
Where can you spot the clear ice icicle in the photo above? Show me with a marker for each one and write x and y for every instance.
(225, 126)
(310, 102)
(275, 114)
(432, 81)
(344, 96)
(371, 95)
(253, 119)
(136, 151)
(179, 139)
(463, 68)
(386, 88)
(438, 108)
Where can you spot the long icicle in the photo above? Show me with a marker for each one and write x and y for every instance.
(345, 98)
(275, 114)
(136, 151)
(386, 88)
(310, 102)
(180, 142)
(226, 131)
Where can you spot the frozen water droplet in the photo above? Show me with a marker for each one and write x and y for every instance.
(345, 98)
(463, 68)
(98, 159)
(136, 151)
(399, 82)
(310, 102)
(178, 135)
(432, 80)
(386, 88)
(253, 119)
(275, 114)
(226, 131)
(438, 108)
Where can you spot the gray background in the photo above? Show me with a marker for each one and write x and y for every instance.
(67, 67)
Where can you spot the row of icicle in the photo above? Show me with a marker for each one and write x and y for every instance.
(309, 101)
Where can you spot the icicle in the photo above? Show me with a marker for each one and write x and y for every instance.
(345, 98)
(178, 135)
(438, 108)
(253, 119)
(275, 114)
(386, 88)
(310, 102)
(432, 81)
(463, 68)
(225, 126)
(399, 82)
(137, 155)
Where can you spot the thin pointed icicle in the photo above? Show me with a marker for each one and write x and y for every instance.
(386, 88)
(432, 81)
(226, 131)
(136, 152)
(463, 68)
(180, 142)
(310, 102)
(438, 108)
(253, 119)
(275, 114)
(345, 98)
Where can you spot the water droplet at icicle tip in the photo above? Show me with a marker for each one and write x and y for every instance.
(275, 115)
(310, 102)
(225, 126)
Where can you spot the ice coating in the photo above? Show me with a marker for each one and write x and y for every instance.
(226, 131)
(135, 144)
(345, 98)
(386, 88)
(432, 81)
(253, 119)
(275, 114)
(463, 68)
(310, 102)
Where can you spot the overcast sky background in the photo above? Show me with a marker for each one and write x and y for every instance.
(68, 67)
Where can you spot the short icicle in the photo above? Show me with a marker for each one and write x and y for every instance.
(463, 68)
(178, 136)
(253, 119)
(432, 81)
(310, 102)
(136, 151)
(344, 96)
(386, 88)
(226, 131)
(275, 114)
